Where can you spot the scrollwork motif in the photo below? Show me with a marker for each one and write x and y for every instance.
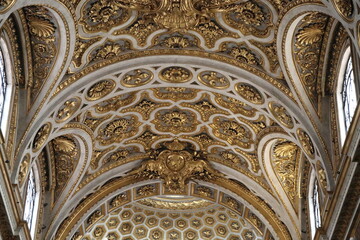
(100, 89)
(175, 74)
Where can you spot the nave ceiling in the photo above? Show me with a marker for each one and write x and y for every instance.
(176, 103)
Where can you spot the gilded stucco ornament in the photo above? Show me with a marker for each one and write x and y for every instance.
(176, 164)
(100, 89)
(308, 40)
(249, 93)
(118, 129)
(43, 31)
(306, 143)
(285, 165)
(321, 176)
(103, 15)
(175, 120)
(65, 153)
(136, 78)
(213, 79)
(232, 131)
(281, 114)
(234, 105)
(23, 170)
(68, 109)
(345, 8)
(175, 74)
(41, 137)
(5, 5)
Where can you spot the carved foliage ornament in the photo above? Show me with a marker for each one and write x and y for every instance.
(41, 137)
(307, 47)
(281, 114)
(23, 170)
(44, 44)
(100, 89)
(306, 142)
(214, 80)
(68, 109)
(176, 164)
(284, 161)
(175, 75)
(103, 15)
(249, 93)
(5, 5)
(345, 8)
(136, 78)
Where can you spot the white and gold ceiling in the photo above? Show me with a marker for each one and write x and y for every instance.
(176, 119)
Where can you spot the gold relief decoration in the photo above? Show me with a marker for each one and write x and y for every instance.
(68, 109)
(214, 80)
(136, 78)
(177, 41)
(257, 125)
(66, 155)
(306, 51)
(285, 156)
(100, 89)
(77, 236)
(5, 5)
(241, 53)
(121, 154)
(119, 200)
(146, 191)
(270, 49)
(115, 103)
(140, 30)
(204, 139)
(306, 143)
(23, 170)
(175, 93)
(80, 47)
(94, 122)
(44, 44)
(94, 217)
(118, 129)
(41, 137)
(212, 32)
(235, 105)
(230, 156)
(109, 50)
(251, 18)
(205, 107)
(249, 93)
(145, 106)
(175, 120)
(204, 191)
(281, 114)
(321, 176)
(178, 205)
(97, 155)
(344, 7)
(175, 74)
(232, 131)
(147, 138)
(176, 164)
(103, 15)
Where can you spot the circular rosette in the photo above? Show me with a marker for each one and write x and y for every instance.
(68, 109)
(41, 137)
(281, 114)
(249, 93)
(214, 80)
(175, 74)
(306, 143)
(100, 89)
(136, 78)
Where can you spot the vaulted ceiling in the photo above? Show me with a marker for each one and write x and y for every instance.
(157, 108)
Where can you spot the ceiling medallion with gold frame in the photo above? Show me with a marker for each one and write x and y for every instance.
(175, 74)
